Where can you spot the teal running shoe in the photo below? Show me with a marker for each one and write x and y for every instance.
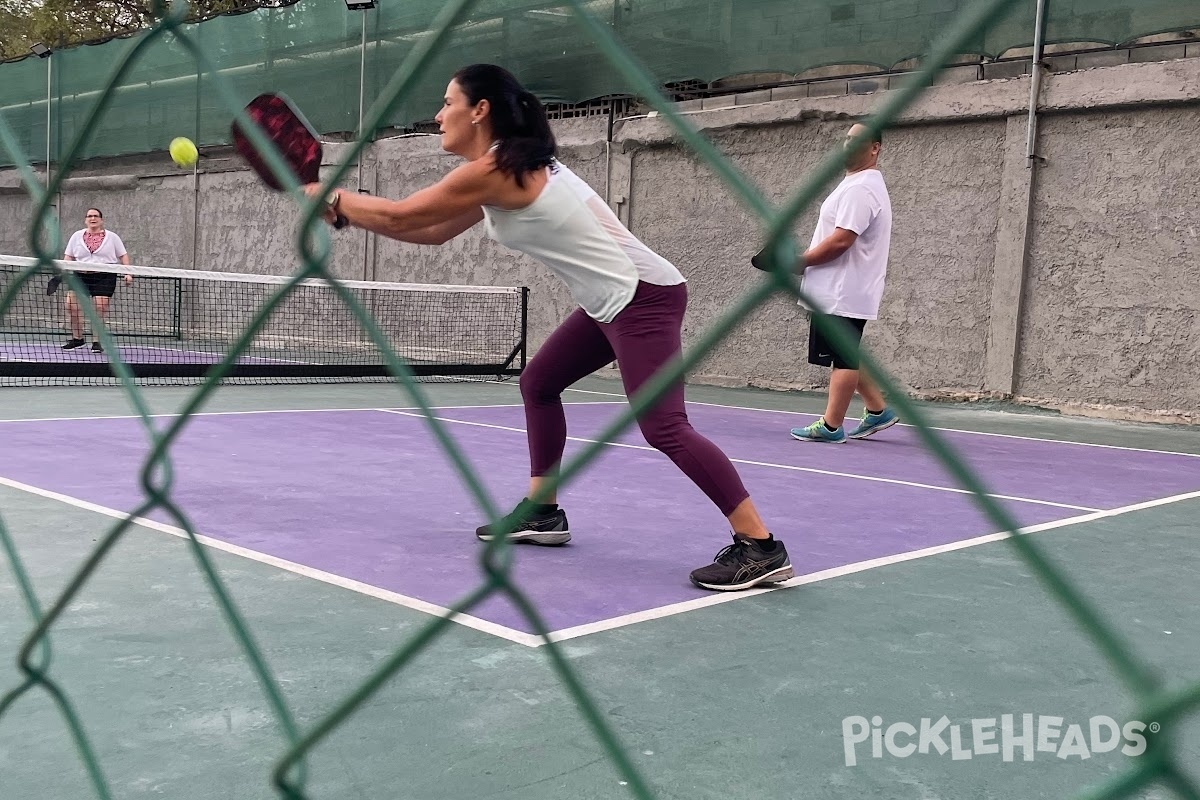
(817, 432)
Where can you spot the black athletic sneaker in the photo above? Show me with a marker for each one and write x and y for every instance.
(97, 347)
(744, 564)
(73, 343)
(537, 529)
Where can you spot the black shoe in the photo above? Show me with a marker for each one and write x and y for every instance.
(97, 347)
(73, 343)
(744, 564)
(537, 529)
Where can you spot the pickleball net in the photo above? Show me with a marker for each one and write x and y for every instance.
(171, 326)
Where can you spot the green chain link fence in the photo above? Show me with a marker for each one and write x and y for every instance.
(1159, 765)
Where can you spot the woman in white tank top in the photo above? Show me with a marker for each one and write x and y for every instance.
(631, 304)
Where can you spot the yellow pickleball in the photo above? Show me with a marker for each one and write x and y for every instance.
(183, 151)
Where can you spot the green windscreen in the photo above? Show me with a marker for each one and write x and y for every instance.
(313, 51)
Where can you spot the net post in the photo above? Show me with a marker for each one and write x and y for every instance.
(524, 342)
(178, 320)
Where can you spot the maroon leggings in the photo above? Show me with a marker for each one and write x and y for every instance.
(644, 337)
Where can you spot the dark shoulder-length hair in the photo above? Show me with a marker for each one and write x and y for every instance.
(518, 119)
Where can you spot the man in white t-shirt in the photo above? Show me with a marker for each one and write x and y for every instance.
(844, 270)
(93, 245)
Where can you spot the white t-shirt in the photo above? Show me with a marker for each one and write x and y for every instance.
(571, 230)
(109, 251)
(851, 285)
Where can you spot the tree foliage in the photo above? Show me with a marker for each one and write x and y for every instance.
(61, 23)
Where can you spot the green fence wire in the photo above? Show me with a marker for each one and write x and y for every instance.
(1159, 765)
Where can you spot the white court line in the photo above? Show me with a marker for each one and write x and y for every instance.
(851, 475)
(285, 411)
(531, 640)
(848, 569)
(933, 427)
(466, 620)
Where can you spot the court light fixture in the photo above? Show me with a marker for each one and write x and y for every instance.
(41, 51)
(359, 5)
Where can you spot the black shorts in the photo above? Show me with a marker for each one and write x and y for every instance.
(820, 351)
(99, 284)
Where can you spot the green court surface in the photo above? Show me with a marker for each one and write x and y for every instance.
(748, 697)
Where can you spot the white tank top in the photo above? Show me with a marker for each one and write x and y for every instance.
(571, 230)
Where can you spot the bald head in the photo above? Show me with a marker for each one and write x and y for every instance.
(866, 154)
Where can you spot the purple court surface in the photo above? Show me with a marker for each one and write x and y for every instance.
(367, 495)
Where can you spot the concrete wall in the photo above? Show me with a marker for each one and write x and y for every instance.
(1080, 295)
(1113, 300)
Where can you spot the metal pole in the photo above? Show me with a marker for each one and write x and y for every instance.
(1035, 87)
(56, 200)
(49, 95)
(362, 79)
(1031, 159)
(368, 268)
(196, 172)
